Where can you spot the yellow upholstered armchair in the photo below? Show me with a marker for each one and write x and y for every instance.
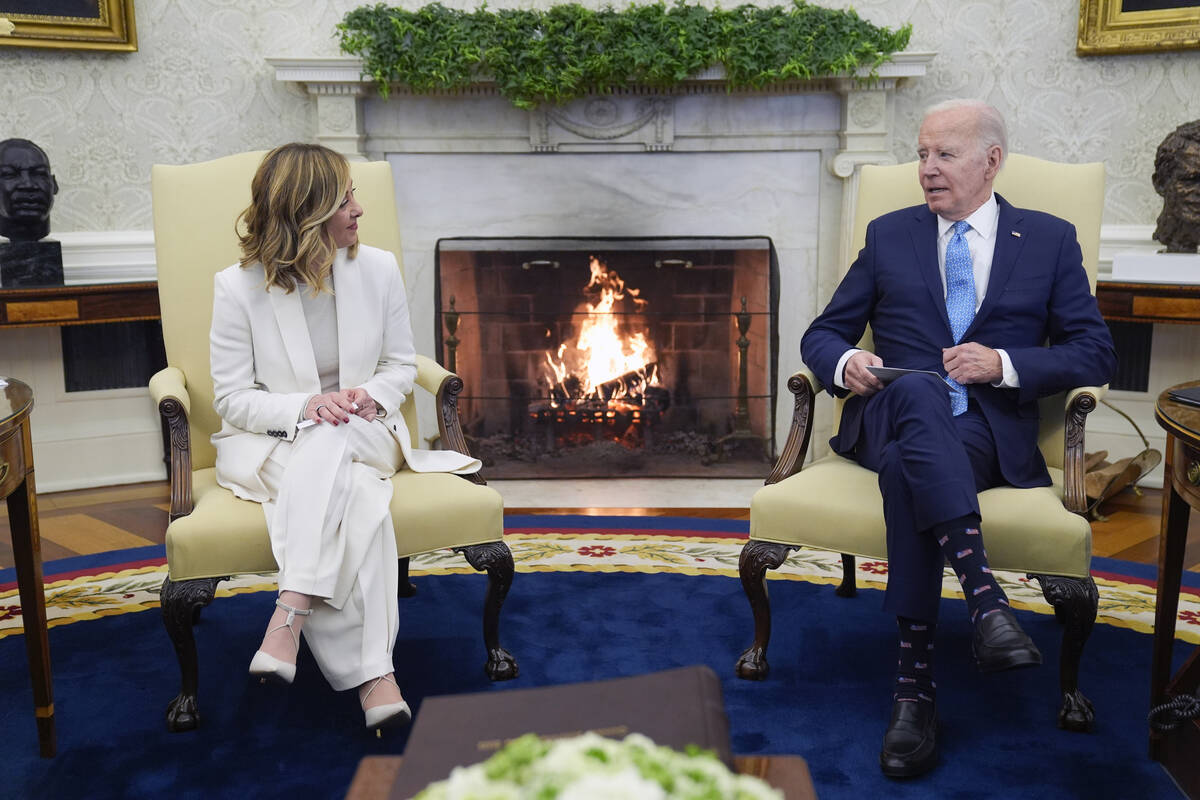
(213, 535)
(834, 504)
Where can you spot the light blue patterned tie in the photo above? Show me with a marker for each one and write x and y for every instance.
(960, 301)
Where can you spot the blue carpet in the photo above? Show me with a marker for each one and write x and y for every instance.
(827, 697)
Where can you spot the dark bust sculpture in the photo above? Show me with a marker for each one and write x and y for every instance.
(1177, 179)
(27, 189)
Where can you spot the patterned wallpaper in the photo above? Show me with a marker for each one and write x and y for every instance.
(199, 88)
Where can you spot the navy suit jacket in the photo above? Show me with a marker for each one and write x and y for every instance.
(1038, 308)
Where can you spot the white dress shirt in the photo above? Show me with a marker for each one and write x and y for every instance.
(981, 241)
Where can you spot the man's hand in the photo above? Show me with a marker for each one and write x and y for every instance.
(972, 363)
(856, 377)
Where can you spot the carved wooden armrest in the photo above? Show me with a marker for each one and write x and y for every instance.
(1079, 403)
(804, 386)
(446, 386)
(168, 388)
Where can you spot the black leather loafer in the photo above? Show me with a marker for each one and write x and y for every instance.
(998, 643)
(910, 744)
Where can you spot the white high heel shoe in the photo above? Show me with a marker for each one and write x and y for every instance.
(268, 667)
(389, 714)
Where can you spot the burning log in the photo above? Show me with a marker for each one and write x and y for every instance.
(620, 409)
(629, 388)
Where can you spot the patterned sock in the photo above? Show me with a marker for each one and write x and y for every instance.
(962, 543)
(914, 672)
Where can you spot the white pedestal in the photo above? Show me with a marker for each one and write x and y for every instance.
(1156, 267)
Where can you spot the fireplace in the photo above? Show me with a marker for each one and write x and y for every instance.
(591, 357)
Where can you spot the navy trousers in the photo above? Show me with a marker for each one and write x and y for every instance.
(931, 466)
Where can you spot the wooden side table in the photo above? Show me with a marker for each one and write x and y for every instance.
(16, 484)
(1149, 302)
(1179, 749)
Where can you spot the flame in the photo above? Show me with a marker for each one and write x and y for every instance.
(599, 355)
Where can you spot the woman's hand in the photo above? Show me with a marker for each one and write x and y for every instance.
(333, 407)
(362, 403)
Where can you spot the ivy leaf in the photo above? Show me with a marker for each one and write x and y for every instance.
(567, 51)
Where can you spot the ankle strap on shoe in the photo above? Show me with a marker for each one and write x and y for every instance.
(292, 612)
(378, 681)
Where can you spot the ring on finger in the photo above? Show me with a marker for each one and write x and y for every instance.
(317, 410)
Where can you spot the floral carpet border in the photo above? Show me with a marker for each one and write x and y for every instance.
(111, 591)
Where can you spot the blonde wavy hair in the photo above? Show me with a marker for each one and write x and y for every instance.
(295, 191)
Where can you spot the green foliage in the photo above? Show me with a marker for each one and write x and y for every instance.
(569, 51)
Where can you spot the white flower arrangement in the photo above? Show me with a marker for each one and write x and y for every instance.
(592, 767)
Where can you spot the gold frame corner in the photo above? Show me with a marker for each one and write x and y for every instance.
(1105, 29)
(115, 30)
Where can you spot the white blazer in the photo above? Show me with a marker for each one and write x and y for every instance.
(264, 371)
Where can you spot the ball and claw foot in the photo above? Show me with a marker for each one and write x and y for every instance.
(1076, 713)
(501, 666)
(182, 714)
(752, 665)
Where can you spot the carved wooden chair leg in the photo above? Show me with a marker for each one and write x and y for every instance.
(496, 558)
(757, 557)
(848, 587)
(406, 588)
(181, 604)
(1075, 602)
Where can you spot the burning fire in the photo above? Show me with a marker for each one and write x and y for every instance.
(601, 364)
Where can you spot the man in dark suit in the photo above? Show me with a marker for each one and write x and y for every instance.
(996, 299)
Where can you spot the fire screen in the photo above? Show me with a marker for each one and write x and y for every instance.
(586, 357)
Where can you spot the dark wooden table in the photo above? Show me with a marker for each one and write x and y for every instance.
(16, 484)
(1149, 302)
(82, 304)
(1179, 749)
(375, 775)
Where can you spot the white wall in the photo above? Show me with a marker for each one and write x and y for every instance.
(199, 88)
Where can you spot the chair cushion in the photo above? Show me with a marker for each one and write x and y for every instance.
(227, 536)
(834, 504)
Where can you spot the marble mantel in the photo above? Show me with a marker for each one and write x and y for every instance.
(341, 90)
(701, 158)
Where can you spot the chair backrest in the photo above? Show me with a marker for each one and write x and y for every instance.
(1074, 192)
(195, 206)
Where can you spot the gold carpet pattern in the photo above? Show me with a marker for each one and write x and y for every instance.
(108, 591)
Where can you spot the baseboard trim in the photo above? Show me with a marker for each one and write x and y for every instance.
(100, 482)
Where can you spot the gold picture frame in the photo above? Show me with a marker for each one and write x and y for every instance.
(1108, 27)
(69, 24)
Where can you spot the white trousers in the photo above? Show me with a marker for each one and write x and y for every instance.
(333, 539)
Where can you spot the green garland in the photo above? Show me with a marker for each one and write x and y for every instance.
(569, 51)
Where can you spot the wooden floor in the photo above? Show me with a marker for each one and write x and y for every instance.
(98, 520)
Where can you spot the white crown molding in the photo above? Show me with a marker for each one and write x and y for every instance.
(128, 256)
(1122, 239)
(108, 256)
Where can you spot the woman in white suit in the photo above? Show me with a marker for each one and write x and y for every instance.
(312, 356)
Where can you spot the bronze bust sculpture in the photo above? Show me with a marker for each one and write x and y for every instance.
(1177, 179)
(27, 189)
